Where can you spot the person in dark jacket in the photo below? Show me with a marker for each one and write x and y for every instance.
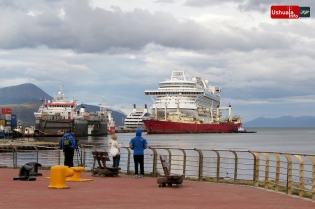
(138, 144)
(68, 148)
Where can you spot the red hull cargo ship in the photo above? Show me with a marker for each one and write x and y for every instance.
(167, 127)
(184, 105)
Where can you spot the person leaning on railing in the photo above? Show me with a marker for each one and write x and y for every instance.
(115, 143)
(68, 149)
(138, 144)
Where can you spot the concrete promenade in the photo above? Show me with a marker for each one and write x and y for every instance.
(126, 192)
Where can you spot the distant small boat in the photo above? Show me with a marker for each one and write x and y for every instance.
(243, 130)
(24, 131)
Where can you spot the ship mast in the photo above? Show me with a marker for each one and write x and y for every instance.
(103, 106)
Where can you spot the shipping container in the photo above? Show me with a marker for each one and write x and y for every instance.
(13, 122)
(2, 123)
(7, 117)
(13, 117)
(8, 123)
(6, 111)
(2, 117)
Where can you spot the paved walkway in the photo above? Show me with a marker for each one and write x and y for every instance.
(126, 192)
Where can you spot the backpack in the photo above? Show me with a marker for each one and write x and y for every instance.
(66, 141)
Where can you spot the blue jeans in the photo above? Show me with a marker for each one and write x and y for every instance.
(116, 160)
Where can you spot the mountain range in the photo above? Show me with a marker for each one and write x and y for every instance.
(23, 93)
(284, 121)
(25, 99)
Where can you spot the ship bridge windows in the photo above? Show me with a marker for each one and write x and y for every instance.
(174, 93)
(177, 86)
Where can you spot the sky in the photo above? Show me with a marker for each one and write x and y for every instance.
(117, 49)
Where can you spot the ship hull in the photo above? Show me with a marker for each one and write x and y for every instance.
(167, 127)
(78, 127)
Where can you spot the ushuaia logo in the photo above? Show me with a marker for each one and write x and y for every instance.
(285, 12)
(305, 12)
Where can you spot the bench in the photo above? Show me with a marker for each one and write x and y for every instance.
(103, 170)
(169, 179)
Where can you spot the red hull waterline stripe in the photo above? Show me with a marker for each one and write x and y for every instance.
(166, 127)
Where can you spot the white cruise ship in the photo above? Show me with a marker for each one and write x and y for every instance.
(189, 96)
(134, 119)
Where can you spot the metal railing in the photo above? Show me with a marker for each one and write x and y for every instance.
(292, 173)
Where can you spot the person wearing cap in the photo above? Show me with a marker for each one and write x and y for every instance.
(116, 144)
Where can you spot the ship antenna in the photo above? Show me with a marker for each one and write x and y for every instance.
(61, 85)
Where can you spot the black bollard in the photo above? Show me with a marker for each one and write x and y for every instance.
(24, 174)
(34, 170)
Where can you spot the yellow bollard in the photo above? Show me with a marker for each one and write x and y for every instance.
(77, 175)
(58, 175)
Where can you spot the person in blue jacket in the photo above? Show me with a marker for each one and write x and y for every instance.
(138, 144)
(68, 146)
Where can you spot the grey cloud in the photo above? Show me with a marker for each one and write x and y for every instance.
(205, 3)
(88, 30)
(164, 1)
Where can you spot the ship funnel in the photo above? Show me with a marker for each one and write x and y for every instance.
(134, 106)
(145, 108)
(82, 109)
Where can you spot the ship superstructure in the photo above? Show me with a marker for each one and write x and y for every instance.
(187, 95)
(111, 123)
(55, 117)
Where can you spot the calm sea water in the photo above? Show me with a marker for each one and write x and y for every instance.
(296, 140)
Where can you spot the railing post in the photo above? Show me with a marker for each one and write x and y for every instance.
(200, 170)
(218, 165)
(256, 168)
(128, 160)
(235, 165)
(301, 175)
(14, 157)
(277, 177)
(154, 171)
(289, 174)
(184, 161)
(266, 170)
(313, 176)
(93, 165)
(36, 153)
(84, 157)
